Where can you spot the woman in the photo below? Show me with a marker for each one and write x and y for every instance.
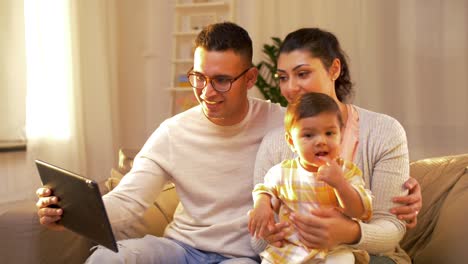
(311, 60)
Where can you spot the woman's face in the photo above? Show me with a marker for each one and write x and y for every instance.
(298, 73)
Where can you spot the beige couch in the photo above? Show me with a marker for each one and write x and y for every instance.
(25, 241)
(440, 237)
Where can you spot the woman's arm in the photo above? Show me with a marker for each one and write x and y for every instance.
(383, 158)
(272, 151)
(325, 228)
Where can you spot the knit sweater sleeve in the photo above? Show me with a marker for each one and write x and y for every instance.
(383, 156)
(272, 151)
(140, 187)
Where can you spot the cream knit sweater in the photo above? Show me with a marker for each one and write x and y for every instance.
(212, 167)
(382, 155)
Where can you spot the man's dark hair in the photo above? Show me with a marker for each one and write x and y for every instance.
(225, 36)
(310, 105)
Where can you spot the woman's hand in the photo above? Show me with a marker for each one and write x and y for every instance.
(325, 228)
(48, 216)
(411, 204)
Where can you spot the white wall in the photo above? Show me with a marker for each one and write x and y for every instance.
(15, 167)
(408, 59)
(144, 47)
(12, 71)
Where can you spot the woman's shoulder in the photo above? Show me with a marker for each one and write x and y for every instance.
(377, 121)
(272, 150)
(371, 116)
(378, 129)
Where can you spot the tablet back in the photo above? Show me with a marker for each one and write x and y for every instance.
(81, 201)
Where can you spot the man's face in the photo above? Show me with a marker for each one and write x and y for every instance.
(223, 108)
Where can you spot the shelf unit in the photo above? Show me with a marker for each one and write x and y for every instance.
(189, 18)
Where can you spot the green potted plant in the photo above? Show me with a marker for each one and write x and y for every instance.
(266, 81)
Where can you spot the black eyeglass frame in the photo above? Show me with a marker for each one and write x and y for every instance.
(208, 79)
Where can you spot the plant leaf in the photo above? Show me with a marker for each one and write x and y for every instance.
(266, 82)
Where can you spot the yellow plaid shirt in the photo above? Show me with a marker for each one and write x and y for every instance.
(299, 191)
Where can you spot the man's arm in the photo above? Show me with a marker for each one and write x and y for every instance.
(135, 193)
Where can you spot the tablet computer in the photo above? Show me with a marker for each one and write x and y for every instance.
(83, 209)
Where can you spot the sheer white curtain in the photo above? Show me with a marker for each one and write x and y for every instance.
(409, 59)
(54, 120)
(12, 77)
(70, 100)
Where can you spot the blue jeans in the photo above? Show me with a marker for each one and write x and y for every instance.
(152, 249)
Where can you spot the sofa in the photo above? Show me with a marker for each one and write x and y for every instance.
(440, 236)
(25, 241)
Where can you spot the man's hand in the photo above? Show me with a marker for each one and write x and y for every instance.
(48, 216)
(411, 204)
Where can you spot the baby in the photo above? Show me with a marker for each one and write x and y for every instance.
(317, 177)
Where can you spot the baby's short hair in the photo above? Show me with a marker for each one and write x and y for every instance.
(310, 105)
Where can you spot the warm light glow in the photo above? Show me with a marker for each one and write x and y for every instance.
(49, 68)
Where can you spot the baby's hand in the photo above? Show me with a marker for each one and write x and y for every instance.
(260, 217)
(331, 173)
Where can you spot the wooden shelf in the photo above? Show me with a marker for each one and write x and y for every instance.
(189, 18)
(206, 7)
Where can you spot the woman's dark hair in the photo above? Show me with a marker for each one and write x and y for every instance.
(325, 46)
(225, 36)
(310, 105)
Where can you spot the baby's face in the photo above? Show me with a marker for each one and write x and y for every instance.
(314, 137)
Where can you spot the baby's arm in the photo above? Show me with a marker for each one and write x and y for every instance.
(355, 201)
(261, 216)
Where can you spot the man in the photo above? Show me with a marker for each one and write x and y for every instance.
(208, 152)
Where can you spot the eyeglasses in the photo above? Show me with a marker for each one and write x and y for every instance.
(221, 84)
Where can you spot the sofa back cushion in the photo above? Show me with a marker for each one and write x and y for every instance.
(440, 233)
